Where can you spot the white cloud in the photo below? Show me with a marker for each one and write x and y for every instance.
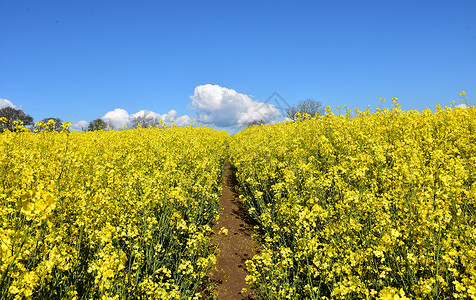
(6, 103)
(463, 105)
(146, 113)
(169, 118)
(225, 107)
(79, 126)
(183, 120)
(119, 117)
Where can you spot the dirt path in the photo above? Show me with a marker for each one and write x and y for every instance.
(228, 278)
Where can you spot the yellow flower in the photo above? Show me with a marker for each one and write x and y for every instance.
(223, 231)
(391, 293)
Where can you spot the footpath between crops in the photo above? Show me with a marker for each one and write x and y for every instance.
(228, 276)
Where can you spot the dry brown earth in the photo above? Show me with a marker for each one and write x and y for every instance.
(228, 276)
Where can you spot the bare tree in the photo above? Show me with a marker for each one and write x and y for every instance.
(308, 106)
(144, 121)
(11, 115)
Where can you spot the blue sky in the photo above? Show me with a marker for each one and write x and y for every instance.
(79, 60)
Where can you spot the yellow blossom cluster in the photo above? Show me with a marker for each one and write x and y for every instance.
(108, 214)
(362, 205)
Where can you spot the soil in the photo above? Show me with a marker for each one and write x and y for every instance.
(228, 276)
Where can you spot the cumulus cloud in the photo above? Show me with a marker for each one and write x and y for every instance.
(463, 105)
(119, 118)
(172, 118)
(79, 126)
(6, 103)
(225, 107)
(169, 118)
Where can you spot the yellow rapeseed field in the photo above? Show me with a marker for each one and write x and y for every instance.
(360, 205)
(108, 214)
(352, 205)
